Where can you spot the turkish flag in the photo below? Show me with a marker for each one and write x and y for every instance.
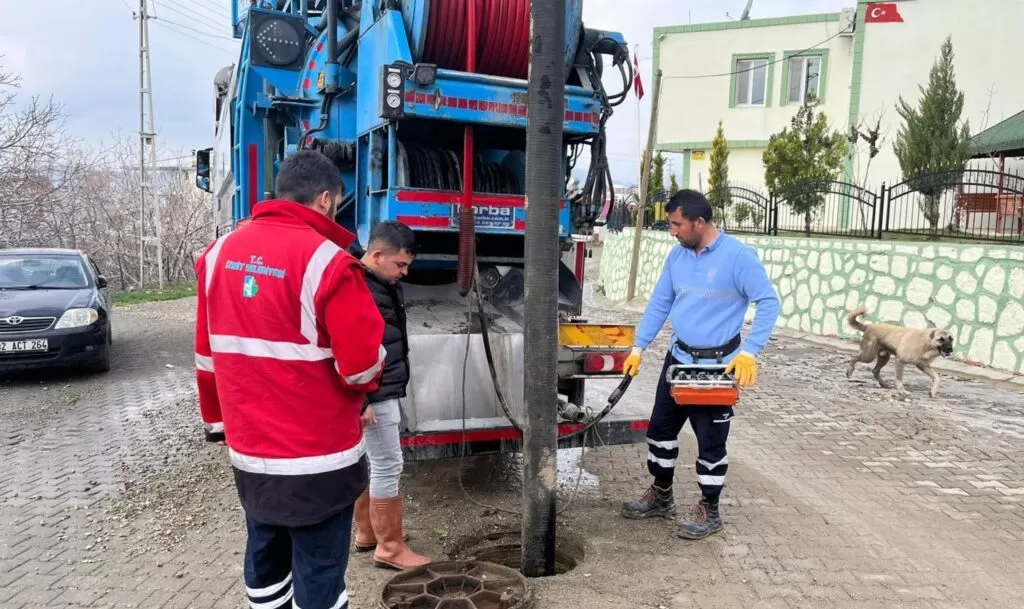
(882, 12)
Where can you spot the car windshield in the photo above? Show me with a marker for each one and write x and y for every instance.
(42, 272)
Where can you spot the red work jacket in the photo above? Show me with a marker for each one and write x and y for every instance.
(288, 343)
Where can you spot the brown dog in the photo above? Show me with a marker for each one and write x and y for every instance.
(917, 346)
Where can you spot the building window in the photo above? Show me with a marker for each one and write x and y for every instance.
(803, 78)
(751, 80)
(804, 75)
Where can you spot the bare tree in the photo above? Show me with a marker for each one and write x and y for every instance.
(55, 192)
(866, 134)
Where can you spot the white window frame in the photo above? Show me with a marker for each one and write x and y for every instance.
(743, 66)
(804, 62)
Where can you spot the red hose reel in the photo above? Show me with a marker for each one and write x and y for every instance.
(502, 34)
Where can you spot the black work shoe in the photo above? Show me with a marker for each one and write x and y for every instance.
(704, 521)
(655, 502)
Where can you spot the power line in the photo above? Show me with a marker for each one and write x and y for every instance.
(188, 27)
(168, 26)
(775, 61)
(197, 18)
(220, 13)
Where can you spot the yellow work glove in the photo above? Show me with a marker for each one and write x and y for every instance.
(744, 368)
(632, 364)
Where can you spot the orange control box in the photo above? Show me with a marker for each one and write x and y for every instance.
(702, 385)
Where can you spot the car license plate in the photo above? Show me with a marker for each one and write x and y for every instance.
(20, 346)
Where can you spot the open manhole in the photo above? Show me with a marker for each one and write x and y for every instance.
(505, 548)
(460, 584)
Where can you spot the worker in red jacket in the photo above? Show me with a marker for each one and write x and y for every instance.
(288, 344)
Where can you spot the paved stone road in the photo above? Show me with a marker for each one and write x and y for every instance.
(839, 495)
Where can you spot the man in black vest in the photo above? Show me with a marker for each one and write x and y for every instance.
(378, 512)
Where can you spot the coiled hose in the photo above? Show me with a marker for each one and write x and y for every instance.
(503, 32)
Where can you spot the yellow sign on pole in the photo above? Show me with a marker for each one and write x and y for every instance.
(697, 155)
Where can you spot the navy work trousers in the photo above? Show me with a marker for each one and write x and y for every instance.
(711, 427)
(301, 565)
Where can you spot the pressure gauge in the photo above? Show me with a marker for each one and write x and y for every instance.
(394, 101)
(394, 80)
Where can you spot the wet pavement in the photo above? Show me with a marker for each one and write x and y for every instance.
(839, 494)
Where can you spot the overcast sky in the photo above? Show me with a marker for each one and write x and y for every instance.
(89, 61)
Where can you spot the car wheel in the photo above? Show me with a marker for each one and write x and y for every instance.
(102, 363)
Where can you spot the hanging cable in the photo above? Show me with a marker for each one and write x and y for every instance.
(585, 432)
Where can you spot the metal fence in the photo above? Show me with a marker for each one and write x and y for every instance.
(972, 204)
(741, 209)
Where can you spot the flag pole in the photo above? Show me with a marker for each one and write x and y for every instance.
(644, 179)
(639, 153)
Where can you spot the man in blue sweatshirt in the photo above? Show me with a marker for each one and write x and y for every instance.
(707, 283)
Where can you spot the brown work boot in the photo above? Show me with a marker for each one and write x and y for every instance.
(386, 516)
(365, 539)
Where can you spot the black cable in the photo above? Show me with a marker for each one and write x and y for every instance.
(465, 443)
(487, 352)
(164, 24)
(188, 27)
(613, 400)
(773, 62)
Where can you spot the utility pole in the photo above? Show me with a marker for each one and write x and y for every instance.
(545, 110)
(645, 178)
(147, 146)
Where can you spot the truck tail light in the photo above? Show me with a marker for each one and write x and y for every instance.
(604, 362)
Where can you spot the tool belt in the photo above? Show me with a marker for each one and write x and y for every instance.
(704, 384)
(715, 353)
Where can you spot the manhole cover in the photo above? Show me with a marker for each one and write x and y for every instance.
(460, 584)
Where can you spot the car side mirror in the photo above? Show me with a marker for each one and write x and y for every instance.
(203, 169)
(101, 282)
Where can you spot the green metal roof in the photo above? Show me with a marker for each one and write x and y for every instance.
(1006, 137)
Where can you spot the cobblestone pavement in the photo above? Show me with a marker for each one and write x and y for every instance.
(839, 495)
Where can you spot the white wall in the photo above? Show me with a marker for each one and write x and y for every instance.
(898, 57)
(691, 107)
(745, 169)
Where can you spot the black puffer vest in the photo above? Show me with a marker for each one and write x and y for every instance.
(390, 301)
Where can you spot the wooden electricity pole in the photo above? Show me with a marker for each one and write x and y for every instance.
(645, 179)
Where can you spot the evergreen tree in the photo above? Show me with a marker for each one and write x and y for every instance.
(800, 158)
(718, 175)
(673, 185)
(656, 185)
(931, 146)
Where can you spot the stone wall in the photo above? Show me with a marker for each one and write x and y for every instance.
(975, 291)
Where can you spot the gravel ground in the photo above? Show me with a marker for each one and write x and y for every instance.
(839, 495)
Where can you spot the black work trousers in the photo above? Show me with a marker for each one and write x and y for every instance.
(709, 423)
